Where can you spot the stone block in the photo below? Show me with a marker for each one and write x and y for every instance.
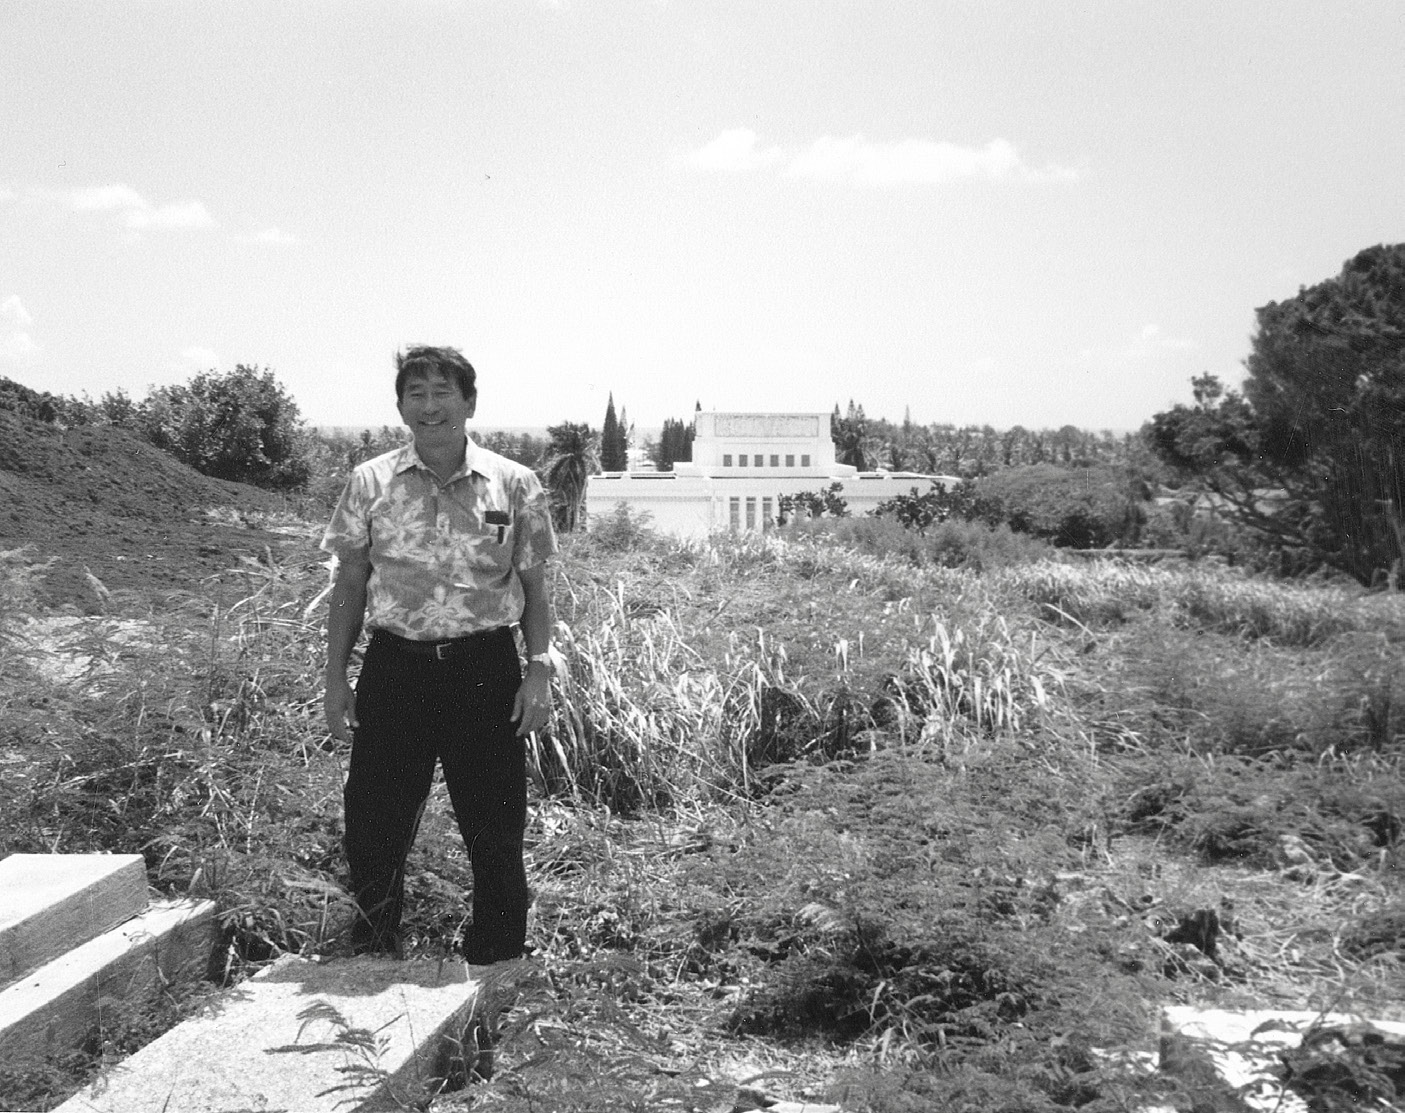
(1229, 1059)
(52, 903)
(54, 1007)
(315, 1037)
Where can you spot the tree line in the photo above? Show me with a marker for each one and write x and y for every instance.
(1301, 469)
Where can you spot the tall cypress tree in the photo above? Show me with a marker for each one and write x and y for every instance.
(675, 443)
(614, 454)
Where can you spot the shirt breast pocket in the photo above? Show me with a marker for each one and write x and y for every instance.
(497, 524)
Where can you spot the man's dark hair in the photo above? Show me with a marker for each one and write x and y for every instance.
(421, 361)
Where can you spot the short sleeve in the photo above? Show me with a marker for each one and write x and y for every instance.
(348, 534)
(534, 540)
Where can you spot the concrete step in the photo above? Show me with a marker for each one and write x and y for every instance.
(54, 1007)
(1230, 1059)
(51, 903)
(315, 1037)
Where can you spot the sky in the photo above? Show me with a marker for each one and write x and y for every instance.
(959, 211)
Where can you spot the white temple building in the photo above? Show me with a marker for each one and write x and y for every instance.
(742, 464)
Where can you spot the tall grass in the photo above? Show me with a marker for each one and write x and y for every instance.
(813, 869)
(649, 719)
(1219, 600)
(645, 721)
(981, 675)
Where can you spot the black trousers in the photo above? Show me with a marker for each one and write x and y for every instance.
(414, 710)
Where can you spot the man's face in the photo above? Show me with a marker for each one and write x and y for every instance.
(435, 411)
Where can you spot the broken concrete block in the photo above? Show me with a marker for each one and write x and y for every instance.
(51, 903)
(1236, 1056)
(316, 1037)
(54, 1007)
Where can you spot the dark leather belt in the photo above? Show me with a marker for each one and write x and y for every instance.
(440, 650)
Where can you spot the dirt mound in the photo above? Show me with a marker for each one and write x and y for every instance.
(139, 519)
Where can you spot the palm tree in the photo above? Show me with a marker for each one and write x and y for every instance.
(572, 457)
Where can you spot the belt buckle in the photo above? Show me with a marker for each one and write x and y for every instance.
(441, 650)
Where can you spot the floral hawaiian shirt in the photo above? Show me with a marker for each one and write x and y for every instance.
(444, 558)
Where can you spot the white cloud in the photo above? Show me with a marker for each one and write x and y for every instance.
(188, 214)
(734, 151)
(6, 195)
(15, 341)
(104, 199)
(135, 210)
(856, 159)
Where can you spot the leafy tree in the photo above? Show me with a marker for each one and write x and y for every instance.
(614, 445)
(242, 426)
(1310, 456)
(119, 410)
(39, 405)
(27, 402)
(573, 456)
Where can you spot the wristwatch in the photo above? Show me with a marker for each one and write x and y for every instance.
(543, 658)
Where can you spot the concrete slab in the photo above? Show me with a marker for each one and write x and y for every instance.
(1236, 1053)
(304, 1036)
(54, 1007)
(51, 903)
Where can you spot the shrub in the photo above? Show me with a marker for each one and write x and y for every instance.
(622, 530)
(948, 544)
(1082, 508)
(814, 504)
(1261, 813)
(919, 511)
(981, 547)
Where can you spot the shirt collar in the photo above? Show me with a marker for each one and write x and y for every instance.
(472, 460)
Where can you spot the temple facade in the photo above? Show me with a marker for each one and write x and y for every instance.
(742, 464)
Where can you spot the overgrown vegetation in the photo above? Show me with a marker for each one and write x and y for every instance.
(828, 813)
(1307, 458)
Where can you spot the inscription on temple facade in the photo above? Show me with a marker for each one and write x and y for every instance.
(768, 425)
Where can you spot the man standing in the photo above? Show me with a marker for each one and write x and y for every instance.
(440, 549)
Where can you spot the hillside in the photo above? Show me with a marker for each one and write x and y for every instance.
(99, 497)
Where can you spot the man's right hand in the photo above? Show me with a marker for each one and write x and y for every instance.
(340, 707)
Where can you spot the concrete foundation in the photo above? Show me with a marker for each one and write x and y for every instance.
(315, 1037)
(1231, 1057)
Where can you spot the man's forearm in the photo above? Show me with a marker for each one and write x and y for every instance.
(344, 619)
(536, 627)
(536, 611)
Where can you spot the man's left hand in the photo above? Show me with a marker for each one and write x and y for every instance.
(532, 707)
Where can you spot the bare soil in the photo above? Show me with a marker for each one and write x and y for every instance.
(101, 499)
